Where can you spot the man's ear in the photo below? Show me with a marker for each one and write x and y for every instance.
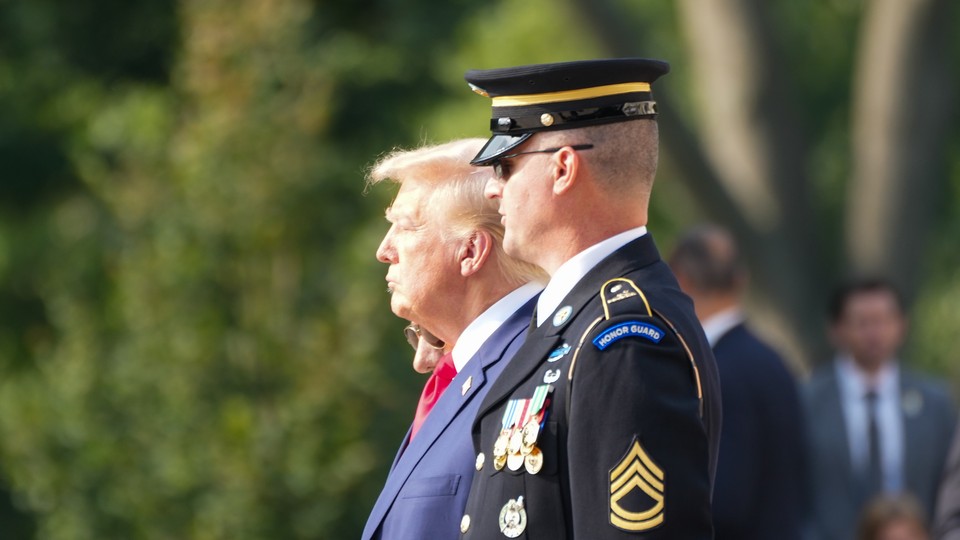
(566, 169)
(474, 251)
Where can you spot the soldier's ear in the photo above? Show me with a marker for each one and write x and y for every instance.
(475, 249)
(566, 167)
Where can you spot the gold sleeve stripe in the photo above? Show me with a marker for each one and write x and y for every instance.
(571, 95)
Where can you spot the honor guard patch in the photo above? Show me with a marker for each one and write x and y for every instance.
(628, 329)
(636, 491)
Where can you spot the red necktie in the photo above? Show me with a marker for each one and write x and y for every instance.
(439, 380)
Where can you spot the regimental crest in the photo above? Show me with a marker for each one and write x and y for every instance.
(636, 491)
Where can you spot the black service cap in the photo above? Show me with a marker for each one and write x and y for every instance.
(566, 95)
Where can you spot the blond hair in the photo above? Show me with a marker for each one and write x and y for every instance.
(456, 196)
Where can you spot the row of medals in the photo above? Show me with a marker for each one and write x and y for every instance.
(516, 448)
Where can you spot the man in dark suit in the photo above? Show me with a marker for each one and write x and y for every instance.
(606, 422)
(448, 273)
(946, 520)
(760, 474)
(873, 426)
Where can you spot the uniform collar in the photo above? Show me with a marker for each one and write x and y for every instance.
(478, 331)
(571, 272)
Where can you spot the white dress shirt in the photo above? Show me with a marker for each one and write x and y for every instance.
(571, 272)
(478, 331)
(854, 384)
(717, 325)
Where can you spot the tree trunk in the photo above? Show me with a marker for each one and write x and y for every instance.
(904, 94)
(751, 176)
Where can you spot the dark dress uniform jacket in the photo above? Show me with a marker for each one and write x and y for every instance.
(629, 447)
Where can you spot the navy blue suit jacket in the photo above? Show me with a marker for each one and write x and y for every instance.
(760, 470)
(429, 481)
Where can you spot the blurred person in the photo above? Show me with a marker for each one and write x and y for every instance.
(893, 518)
(760, 474)
(946, 518)
(450, 277)
(606, 423)
(873, 426)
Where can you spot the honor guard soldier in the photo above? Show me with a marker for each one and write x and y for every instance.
(605, 424)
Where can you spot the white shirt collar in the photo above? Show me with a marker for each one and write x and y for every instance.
(571, 272)
(478, 331)
(717, 325)
(856, 383)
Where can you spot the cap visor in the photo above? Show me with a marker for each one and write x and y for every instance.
(497, 146)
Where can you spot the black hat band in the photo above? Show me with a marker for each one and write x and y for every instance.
(537, 120)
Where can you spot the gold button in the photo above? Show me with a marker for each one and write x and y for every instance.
(480, 459)
(465, 523)
(546, 119)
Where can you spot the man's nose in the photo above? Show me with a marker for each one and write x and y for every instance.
(386, 253)
(493, 189)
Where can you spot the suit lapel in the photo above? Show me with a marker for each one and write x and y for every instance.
(453, 400)
(833, 420)
(541, 340)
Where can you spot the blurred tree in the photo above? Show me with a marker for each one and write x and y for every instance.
(764, 120)
(195, 341)
(212, 355)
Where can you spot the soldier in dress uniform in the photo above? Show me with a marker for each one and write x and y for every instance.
(606, 422)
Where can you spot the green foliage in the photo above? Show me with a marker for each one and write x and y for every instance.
(195, 340)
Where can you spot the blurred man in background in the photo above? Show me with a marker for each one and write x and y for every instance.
(946, 520)
(873, 427)
(760, 471)
(448, 273)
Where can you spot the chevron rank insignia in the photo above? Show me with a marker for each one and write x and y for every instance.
(636, 491)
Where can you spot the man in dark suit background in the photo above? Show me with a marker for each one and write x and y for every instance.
(448, 273)
(760, 469)
(873, 426)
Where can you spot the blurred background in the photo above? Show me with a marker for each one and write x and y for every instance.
(195, 336)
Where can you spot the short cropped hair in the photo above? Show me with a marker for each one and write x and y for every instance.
(457, 195)
(708, 258)
(859, 285)
(624, 154)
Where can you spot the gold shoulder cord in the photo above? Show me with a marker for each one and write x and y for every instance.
(693, 361)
